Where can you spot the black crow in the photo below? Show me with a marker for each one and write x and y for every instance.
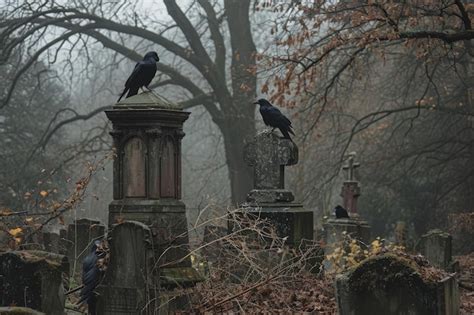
(91, 275)
(340, 212)
(142, 75)
(274, 118)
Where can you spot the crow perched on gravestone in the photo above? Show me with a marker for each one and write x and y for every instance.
(274, 118)
(340, 212)
(91, 276)
(142, 75)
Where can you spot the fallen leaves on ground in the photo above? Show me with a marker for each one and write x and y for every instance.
(301, 294)
(466, 279)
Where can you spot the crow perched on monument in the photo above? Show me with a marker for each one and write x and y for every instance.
(274, 118)
(142, 75)
(340, 212)
(91, 275)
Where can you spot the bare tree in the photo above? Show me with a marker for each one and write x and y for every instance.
(226, 74)
(392, 79)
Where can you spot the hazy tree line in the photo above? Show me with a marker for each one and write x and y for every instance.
(401, 100)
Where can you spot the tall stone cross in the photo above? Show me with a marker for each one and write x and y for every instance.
(350, 188)
(350, 167)
(269, 154)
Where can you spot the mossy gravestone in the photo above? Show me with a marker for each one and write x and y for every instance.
(390, 285)
(33, 279)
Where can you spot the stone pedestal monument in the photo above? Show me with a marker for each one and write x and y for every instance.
(354, 226)
(269, 154)
(147, 133)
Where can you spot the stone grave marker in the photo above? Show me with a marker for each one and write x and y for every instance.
(390, 285)
(436, 246)
(350, 187)
(80, 235)
(51, 242)
(33, 279)
(268, 154)
(147, 134)
(130, 285)
(337, 229)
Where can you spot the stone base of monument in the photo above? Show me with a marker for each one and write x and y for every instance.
(391, 285)
(290, 220)
(337, 231)
(168, 225)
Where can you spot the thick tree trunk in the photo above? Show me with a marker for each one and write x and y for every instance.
(238, 124)
(236, 132)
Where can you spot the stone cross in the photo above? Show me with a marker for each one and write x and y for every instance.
(269, 154)
(350, 188)
(351, 166)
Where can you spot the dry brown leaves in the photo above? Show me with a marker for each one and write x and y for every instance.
(466, 280)
(303, 293)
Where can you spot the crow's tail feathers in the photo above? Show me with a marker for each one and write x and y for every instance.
(123, 93)
(132, 91)
(285, 133)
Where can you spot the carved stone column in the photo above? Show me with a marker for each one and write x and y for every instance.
(147, 132)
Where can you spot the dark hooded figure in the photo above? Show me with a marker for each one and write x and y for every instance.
(340, 212)
(91, 276)
(274, 118)
(142, 75)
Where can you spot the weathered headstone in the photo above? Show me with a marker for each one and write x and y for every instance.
(80, 235)
(51, 242)
(147, 133)
(130, 285)
(269, 154)
(436, 246)
(391, 286)
(33, 279)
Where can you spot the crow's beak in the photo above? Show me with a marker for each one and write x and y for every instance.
(157, 58)
(256, 103)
